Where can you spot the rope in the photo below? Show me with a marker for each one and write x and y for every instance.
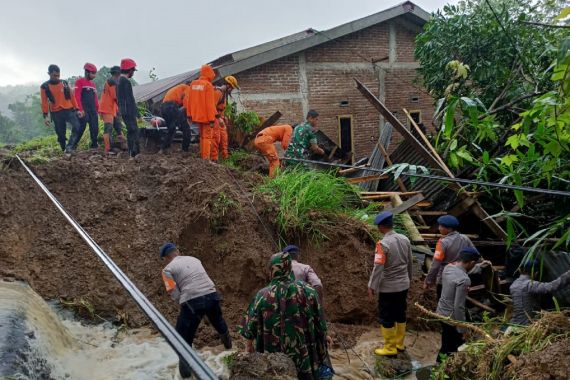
(440, 178)
(200, 369)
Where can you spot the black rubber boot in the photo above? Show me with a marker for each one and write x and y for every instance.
(185, 371)
(226, 340)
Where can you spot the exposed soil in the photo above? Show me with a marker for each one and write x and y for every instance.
(263, 367)
(549, 364)
(130, 208)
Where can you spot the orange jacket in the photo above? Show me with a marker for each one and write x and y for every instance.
(220, 98)
(176, 94)
(200, 100)
(108, 104)
(59, 101)
(279, 133)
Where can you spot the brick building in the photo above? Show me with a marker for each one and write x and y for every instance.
(315, 69)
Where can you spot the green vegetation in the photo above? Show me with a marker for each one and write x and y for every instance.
(504, 107)
(224, 209)
(229, 360)
(489, 359)
(235, 158)
(244, 121)
(308, 200)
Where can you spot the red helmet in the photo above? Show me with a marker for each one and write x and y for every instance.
(127, 64)
(90, 67)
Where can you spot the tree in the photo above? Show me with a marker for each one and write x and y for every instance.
(503, 112)
(28, 117)
(508, 60)
(9, 133)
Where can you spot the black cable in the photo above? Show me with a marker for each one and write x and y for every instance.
(441, 178)
(200, 369)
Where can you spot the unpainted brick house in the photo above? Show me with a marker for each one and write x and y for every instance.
(315, 70)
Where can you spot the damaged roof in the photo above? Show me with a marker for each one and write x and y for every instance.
(245, 59)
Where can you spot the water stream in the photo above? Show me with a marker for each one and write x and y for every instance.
(38, 341)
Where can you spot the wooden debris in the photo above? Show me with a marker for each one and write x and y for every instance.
(367, 178)
(481, 305)
(407, 204)
(437, 236)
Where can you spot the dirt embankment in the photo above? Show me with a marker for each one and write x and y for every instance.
(131, 208)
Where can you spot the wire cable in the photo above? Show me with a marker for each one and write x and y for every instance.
(199, 368)
(440, 178)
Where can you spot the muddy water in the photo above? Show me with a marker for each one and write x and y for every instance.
(39, 342)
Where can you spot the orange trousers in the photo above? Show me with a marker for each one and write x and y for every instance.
(206, 136)
(219, 141)
(265, 145)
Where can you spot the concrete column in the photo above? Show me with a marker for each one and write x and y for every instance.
(381, 94)
(303, 84)
(392, 45)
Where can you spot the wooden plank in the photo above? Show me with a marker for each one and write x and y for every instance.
(429, 213)
(404, 194)
(437, 236)
(406, 205)
(432, 160)
(481, 305)
(367, 178)
(267, 123)
(418, 204)
(352, 170)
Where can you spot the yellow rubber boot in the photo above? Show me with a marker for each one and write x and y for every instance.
(400, 335)
(389, 348)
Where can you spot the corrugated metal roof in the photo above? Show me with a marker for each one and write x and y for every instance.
(245, 59)
(157, 88)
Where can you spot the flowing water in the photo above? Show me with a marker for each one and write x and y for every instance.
(38, 341)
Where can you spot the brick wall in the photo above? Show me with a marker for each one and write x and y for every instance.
(330, 69)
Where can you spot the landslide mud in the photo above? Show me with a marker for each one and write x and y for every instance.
(131, 207)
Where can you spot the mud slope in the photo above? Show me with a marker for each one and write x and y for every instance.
(131, 208)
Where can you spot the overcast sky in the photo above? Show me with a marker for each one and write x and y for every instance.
(171, 35)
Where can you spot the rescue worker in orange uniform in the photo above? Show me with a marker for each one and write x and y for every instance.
(58, 100)
(265, 144)
(220, 139)
(201, 108)
(174, 115)
(108, 109)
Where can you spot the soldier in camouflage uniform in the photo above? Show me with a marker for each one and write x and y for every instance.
(286, 317)
(304, 140)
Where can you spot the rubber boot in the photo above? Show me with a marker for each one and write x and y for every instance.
(226, 340)
(122, 142)
(400, 335)
(184, 369)
(389, 348)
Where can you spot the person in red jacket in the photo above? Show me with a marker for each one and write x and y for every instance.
(220, 137)
(58, 101)
(88, 102)
(108, 109)
(201, 107)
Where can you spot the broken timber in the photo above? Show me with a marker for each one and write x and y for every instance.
(267, 123)
(406, 205)
(475, 206)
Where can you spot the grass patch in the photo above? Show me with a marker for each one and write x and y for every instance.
(235, 159)
(224, 210)
(307, 200)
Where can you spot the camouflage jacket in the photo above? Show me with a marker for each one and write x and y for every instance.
(286, 317)
(303, 137)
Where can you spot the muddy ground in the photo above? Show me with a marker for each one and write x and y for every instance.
(130, 208)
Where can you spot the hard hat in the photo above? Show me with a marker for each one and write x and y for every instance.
(127, 64)
(90, 67)
(448, 221)
(384, 218)
(232, 81)
(115, 70)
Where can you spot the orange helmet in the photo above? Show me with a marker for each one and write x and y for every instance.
(232, 81)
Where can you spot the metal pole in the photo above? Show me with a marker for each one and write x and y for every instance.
(199, 368)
